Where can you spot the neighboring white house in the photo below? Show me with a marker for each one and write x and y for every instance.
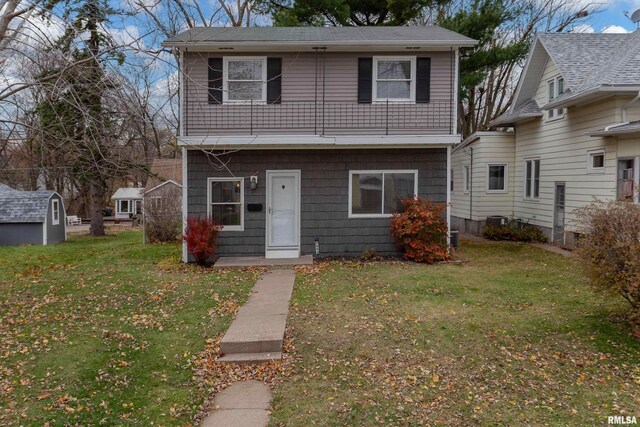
(128, 201)
(574, 136)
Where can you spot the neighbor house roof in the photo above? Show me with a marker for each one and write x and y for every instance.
(620, 129)
(163, 170)
(128, 193)
(319, 36)
(23, 206)
(593, 66)
(527, 110)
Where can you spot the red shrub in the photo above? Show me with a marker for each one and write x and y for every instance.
(201, 235)
(421, 231)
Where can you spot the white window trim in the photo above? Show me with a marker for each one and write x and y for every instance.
(531, 198)
(225, 79)
(55, 209)
(412, 84)
(209, 203)
(382, 171)
(466, 178)
(556, 115)
(119, 206)
(506, 178)
(590, 154)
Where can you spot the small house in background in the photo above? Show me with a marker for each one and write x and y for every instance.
(31, 217)
(128, 202)
(162, 205)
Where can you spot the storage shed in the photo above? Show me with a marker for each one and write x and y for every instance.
(128, 201)
(31, 217)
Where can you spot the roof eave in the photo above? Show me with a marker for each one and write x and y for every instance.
(512, 121)
(592, 94)
(311, 44)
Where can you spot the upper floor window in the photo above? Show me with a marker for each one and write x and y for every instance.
(555, 87)
(394, 78)
(244, 79)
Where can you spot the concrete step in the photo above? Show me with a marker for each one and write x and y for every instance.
(255, 334)
(250, 358)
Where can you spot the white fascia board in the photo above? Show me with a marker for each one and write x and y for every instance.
(318, 141)
(592, 94)
(295, 46)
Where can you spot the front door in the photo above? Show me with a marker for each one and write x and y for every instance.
(283, 214)
(558, 215)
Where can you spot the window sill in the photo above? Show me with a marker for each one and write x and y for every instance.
(373, 216)
(393, 101)
(531, 199)
(555, 118)
(256, 102)
(232, 228)
(497, 191)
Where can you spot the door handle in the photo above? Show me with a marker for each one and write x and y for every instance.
(269, 210)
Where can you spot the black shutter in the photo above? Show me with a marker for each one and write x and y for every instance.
(274, 80)
(423, 79)
(365, 80)
(215, 80)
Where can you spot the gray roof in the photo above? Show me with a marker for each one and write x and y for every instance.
(588, 61)
(320, 35)
(621, 129)
(23, 206)
(128, 193)
(527, 110)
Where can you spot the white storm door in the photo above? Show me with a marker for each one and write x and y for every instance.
(283, 214)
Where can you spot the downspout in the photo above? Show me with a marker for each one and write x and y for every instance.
(471, 187)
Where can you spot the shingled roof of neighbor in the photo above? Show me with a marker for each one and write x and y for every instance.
(320, 35)
(23, 206)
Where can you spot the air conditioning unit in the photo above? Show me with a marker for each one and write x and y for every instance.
(497, 221)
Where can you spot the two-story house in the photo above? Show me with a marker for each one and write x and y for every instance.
(304, 140)
(572, 135)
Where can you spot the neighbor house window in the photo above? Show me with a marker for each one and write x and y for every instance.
(555, 87)
(245, 79)
(626, 179)
(497, 178)
(466, 179)
(55, 207)
(379, 193)
(393, 79)
(124, 206)
(451, 181)
(532, 179)
(226, 201)
(596, 161)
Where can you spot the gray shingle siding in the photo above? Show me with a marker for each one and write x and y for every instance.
(324, 196)
(13, 234)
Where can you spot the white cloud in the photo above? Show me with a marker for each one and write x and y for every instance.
(583, 28)
(614, 29)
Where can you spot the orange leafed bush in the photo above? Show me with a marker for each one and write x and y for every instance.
(420, 231)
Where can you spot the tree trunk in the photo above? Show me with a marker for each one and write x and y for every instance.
(97, 222)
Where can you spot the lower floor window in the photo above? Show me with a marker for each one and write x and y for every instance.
(532, 179)
(497, 178)
(124, 206)
(226, 201)
(379, 193)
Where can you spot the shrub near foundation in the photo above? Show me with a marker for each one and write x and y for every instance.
(201, 236)
(610, 249)
(420, 231)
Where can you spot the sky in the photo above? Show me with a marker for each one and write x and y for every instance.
(612, 18)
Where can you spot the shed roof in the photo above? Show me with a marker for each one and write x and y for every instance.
(342, 36)
(23, 206)
(128, 193)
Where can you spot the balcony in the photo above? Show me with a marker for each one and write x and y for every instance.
(319, 118)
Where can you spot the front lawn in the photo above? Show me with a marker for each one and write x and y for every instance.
(103, 331)
(513, 336)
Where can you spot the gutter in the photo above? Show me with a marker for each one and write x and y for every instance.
(315, 43)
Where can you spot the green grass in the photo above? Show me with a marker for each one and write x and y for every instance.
(103, 331)
(513, 336)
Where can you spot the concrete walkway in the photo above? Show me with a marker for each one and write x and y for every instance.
(257, 332)
(245, 403)
(260, 261)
